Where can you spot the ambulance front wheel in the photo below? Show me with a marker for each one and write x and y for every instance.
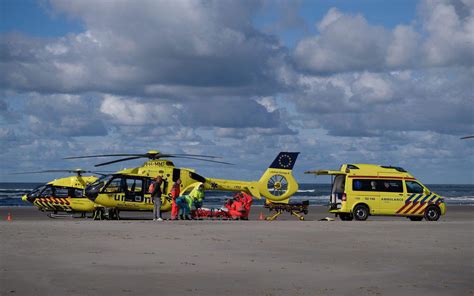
(361, 212)
(432, 213)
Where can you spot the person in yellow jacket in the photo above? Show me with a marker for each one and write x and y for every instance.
(195, 197)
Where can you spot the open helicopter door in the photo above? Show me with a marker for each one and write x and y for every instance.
(338, 185)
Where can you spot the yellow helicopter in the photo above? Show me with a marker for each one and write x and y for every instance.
(64, 194)
(126, 190)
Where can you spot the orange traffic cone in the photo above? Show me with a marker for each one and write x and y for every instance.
(9, 217)
(261, 217)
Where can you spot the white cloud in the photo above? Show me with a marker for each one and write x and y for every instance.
(345, 42)
(198, 77)
(373, 88)
(349, 43)
(128, 48)
(438, 100)
(129, 111)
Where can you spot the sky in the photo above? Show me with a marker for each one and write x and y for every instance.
(382, 82)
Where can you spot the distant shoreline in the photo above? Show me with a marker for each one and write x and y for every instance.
(301, 183)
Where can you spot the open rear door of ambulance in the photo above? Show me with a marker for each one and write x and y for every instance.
(338, 184)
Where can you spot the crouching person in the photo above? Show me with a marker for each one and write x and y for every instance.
(183, 207)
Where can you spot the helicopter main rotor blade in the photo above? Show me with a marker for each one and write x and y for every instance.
(104, 155)
(76, 171)
(118, 160)
(208, 160)
(49, 171)
(147, 155)
(102, 174)
(195, 155)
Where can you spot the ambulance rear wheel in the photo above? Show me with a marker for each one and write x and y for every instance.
(361, 212)
(432, 213)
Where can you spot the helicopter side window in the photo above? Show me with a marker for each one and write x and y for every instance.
(48, 191)
(78, 193)
(134, 190)
(134, 185)
(62, 192)
(147, 182)
(114, 186)
(197, 177)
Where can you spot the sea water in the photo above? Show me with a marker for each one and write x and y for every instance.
(317, 194)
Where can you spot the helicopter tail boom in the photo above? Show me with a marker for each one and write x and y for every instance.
(277, 184)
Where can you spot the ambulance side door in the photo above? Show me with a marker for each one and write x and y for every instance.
(414, 199)
(392, 195)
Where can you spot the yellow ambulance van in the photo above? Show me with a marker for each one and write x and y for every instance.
(361, 190)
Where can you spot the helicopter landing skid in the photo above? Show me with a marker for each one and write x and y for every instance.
(295, 209)
(56, 216)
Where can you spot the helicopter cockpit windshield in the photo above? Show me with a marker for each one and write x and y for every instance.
(35, 193)
(92, 190)
(54, 191)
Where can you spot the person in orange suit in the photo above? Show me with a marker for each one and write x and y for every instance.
(175, 191)
(247, 203)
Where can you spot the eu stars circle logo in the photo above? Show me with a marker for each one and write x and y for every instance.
(284, 161)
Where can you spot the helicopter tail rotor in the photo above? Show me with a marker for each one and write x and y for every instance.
(277, 184)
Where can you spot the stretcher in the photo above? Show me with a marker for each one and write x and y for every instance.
(295, 209)
(236, 208)
(212, 213)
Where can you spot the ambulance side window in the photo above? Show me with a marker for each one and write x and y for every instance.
(377, 185)
(414, 187)
(364, 185)
(391, 186)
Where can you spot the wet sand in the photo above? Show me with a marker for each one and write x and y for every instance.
(381, 256)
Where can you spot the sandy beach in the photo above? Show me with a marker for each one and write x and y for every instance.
(382, 256)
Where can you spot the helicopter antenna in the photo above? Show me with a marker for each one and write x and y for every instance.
(152, 154)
